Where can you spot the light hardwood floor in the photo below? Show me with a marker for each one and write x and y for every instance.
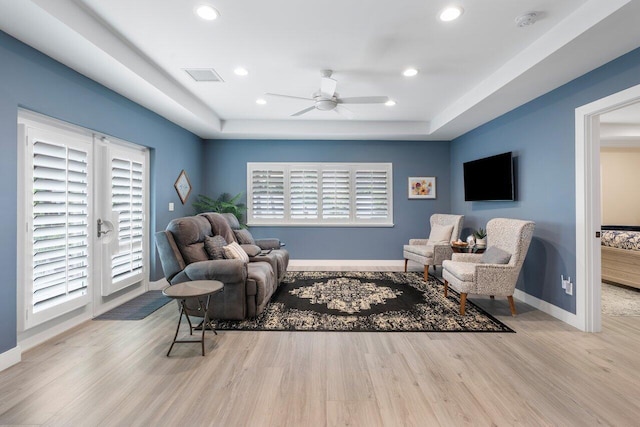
(115, 373)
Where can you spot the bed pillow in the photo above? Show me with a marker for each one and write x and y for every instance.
(234, 251)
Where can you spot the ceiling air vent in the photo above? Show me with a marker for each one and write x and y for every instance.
(204, 74)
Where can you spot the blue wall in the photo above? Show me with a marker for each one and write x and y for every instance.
(226, 171)
(541, 134)
(31, 80)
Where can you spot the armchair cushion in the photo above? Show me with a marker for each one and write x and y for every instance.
(422, 250)
(495, 255)
(463, 271)
(234, 251)
(244, 237)
(215, 246)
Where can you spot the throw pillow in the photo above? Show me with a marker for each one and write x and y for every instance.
(495, 255)
(244, 237)
(440, 234)
(234, 251)
(214, 246)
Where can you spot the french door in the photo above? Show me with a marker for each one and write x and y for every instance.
(84, 210)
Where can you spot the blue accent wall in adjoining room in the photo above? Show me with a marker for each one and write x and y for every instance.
(33, 81)
(541, 135)
(226, 171)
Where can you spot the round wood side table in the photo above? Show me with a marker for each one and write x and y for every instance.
(197, 289)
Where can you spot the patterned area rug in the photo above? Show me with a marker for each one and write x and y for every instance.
(366, 302)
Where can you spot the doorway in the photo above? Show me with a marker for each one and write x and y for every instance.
(83, 206)
(588, 206)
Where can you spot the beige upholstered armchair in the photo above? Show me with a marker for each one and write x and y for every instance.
(496, 271)
(437, 248)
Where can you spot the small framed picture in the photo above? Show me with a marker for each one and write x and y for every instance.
(183, 186)
(422, 187)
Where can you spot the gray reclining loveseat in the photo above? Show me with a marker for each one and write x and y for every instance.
(187, 252)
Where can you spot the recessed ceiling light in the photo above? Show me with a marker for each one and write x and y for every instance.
(390, 103)
(410, 72)
(207, 12)
(451, 13)
(260, 101)
(240, 71)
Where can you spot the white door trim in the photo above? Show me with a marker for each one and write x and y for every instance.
(588, 205)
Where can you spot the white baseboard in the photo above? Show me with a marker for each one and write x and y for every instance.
(550, 309)
(158, 285)
(346, 262)
(10, 358)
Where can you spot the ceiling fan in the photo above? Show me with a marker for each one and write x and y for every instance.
(327, 99)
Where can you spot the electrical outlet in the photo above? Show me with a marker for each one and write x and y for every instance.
(563, 282)
(171, 206)
(569, 287)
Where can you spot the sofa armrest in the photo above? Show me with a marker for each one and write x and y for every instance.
(225, 270)
(269, 243)
(418, 241)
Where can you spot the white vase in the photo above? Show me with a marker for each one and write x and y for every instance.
(481, 242)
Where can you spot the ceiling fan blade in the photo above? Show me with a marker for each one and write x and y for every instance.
(301, 112)
(288, 96)
(344, 111)
(328, 86)
(364, 100)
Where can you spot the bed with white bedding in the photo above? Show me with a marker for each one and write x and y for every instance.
(621, 255)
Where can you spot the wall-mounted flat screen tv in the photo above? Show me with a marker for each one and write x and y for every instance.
(489, 179)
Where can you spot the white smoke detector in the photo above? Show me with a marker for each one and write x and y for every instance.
(527, 19)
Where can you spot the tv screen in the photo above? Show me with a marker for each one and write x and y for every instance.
(490, 178)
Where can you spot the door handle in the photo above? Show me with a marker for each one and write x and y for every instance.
(100, 232)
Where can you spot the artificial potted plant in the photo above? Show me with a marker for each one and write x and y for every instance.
(481, 237)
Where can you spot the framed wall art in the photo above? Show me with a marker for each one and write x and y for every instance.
(422, 187)
(183, 186)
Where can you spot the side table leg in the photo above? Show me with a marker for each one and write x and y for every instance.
(178, 328)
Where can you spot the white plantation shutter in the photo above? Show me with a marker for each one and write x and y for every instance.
(127, 201)
(303, 189)
(267, 194)
(316, 194)
(372, 194)
(336, 194)
(58, 222)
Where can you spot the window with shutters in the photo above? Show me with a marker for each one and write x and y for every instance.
(320, 194)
